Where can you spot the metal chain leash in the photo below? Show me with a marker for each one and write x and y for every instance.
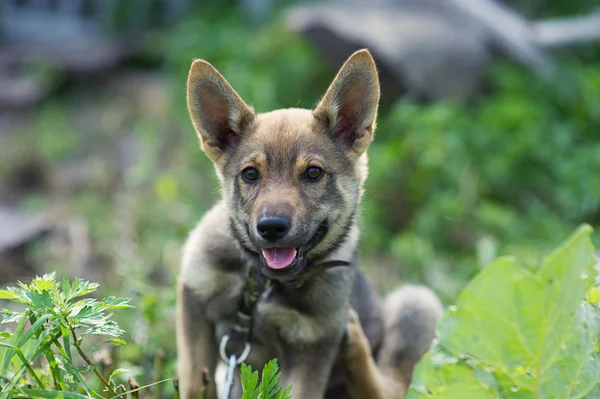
(232, 362)
(241, 330)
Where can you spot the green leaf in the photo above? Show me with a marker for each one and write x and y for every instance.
(108, 329)
(112, 302)
(14, 294)
(86, 311)
(531, 329)
(78, 288)
(8, 354)
(117, 372)
(142, 388)
(269, 387)
(74, 371)
(66, 343)
(11, 316)
(285, 394)
(116, 342)
(41, 300)
(249, 382)
(593, 296)
(454, 380)
(43, 393)
(9, 294)
(25, 363)
(44, 283)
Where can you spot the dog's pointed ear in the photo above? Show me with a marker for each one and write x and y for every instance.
(349, 107)
(218, 112)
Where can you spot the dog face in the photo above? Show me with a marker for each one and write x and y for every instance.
(292, 178)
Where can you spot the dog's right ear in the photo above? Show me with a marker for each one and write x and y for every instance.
(218, 113)
(349, 107)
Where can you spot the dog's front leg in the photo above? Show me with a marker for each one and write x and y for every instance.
(364, 379)
(307, 369)
(196, 347)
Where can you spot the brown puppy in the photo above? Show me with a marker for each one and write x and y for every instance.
(291, 183)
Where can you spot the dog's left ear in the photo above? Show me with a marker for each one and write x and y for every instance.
(349, 107)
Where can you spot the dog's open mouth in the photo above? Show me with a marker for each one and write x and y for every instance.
(279, 258)
(282, 262)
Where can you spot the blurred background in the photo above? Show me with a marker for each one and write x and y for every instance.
(488, 138)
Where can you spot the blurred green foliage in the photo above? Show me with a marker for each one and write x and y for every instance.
(454, 185)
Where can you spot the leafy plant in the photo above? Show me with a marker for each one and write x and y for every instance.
(520, 331)
(54, 321)
(269, 387)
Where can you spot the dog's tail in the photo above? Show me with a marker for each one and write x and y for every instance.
(410, 316)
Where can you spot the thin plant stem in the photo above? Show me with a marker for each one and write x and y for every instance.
(87, 360)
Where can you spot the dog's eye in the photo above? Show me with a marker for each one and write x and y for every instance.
(250, 175)
(313, 173)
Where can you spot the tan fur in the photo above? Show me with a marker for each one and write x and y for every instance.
(302, 327)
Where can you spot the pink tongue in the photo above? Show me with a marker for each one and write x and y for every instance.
(279, 258)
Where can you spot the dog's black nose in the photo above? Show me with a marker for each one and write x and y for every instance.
(272, 228)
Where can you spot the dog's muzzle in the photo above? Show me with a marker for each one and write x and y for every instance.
(297, 266)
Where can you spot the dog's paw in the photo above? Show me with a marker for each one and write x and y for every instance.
(356, 344)
(354, 330)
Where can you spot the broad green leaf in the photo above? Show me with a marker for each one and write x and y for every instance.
(450, 380)
(593, 296)
(530, 328)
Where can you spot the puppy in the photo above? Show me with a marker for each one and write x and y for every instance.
(291, 183)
